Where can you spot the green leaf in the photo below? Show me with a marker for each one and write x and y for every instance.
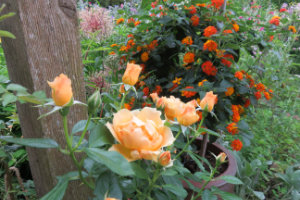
(100, 136)
(57, 193)
(259, 195)
(111, 159)
(209, 132)
(2, 153)
(139, 171)
(79, 126)
(7, 15)
(7, 34)
(207, 195)
(32, 142)
(2, 89)
(16, 87)
(225, 195)
(231, 179)
(3, 79)
(55, 109)
(175, 189)
(30, 99)
(8, 98)
(107, 185)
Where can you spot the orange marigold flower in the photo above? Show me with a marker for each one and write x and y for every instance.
(201, 4)
(127, 106)
(157, 90)
(177, 80)
(247, 103)
(200, 115)
(130, 35)
(209, 69)
(113, 45)
(201, 82)
(257, 95)
(275, 20)
(152, 45)
(282, 10)
(146, 104)
(209, 31)
(232, 128)
(143, 66)
(137, 23)
(192, 9)
(188, 94)
(146, 91)
(236, 117)
(267, 95)
(120, 20)
(220, 53)
(130, 20)
(293, 29)
(138, 48)
(229, 91)
(175, 85)
(210, 45)
(227, 31)
(189, 57)
(123, 48)
(236, 27)
(236, 145)
(217, 3)
(239, 75)
(195, 20)
(130, 44)
(271, 38)
(145, 56)
(260, 87)
(112, 53)
(187, 40)
(227, 62)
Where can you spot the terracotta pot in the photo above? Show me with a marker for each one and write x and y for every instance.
(231, 170)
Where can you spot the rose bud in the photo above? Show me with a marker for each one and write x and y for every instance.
(208, 102)
(94, 102)
(221, 157)
(61, 90)
(165, 158)
(131, 74)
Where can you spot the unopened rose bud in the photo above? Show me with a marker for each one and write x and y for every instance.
(221, 157)
(94, 102)
(165, 159)
(110, 198)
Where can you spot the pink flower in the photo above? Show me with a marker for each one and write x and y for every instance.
(240, 17)
(271, 12)
(262, 28)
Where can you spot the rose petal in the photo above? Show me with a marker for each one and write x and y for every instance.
(112, 131)
(122, 117)
(150, 114)
(168, 137)
(127, 153)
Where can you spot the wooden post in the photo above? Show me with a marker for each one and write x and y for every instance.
(47, 44)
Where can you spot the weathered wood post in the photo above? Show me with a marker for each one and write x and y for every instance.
(47, 44)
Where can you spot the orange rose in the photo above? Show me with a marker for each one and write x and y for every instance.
(141, 134)
(172, 107)
(111, 198)
(208, 101)
(221, 157)
(61, 90)
(165, 159)
(188, 114)
(131, 74)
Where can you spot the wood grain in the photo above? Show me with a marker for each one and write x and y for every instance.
(47, 44)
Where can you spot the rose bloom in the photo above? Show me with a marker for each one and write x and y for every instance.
(238, 75)
(208, 101)
(189, 57)
(232, 128)
(275, 20)
(217, 3)
(195, 20)
(229, 91)
(145, 56)
(131, 74)
(121, 20)
(236, 145)
(61, 90)
(210, 45)
(209, 31)
(187, 40)
(236, 27)
(141, 134)
(188, 114)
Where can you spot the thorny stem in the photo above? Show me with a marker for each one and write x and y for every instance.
(69, 145)
(83, 133)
